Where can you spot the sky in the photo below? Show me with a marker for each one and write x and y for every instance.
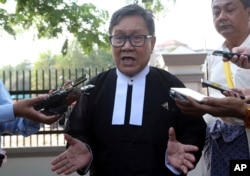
(187, 21)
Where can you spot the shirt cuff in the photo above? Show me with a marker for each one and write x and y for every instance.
(170, 167)
(6, 113)
(86, 169)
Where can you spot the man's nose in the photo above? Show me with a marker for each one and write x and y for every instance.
(127, 43)
(222, 15)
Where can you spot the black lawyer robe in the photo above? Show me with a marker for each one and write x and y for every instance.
(130, 150)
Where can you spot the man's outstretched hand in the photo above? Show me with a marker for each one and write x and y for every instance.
(76, 157)
(180, 155)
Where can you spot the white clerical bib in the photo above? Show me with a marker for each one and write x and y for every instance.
(138, 92)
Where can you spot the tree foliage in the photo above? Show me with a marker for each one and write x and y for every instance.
(50, 18)
(156, 6)
(75, 58)
(49, 65)
(61, 18)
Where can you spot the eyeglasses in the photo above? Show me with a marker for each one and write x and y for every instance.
(135, 40)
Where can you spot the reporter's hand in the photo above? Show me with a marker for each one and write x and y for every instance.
(76, 157)
(225, 107)
(190, 107)
(240, 93)
(241, 61)
(25, 108)
(180, 155)
(219, 107)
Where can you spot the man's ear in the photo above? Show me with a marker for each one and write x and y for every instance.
(153, 40)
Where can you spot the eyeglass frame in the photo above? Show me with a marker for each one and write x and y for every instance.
(125, 37)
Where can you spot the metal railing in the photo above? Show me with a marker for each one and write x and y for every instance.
(31, 83)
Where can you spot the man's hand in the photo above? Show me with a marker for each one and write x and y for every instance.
(190, 107)
(76, 157)
(25, 108)
(219, 107)
(243, 60)
(179, 155)
(225, 107)
(240, 93)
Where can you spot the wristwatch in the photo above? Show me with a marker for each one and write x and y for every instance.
(247, 118)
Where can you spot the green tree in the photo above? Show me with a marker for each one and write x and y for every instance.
(24, 65)
(46, 61)
(50, 18)
(41, 71)
(75, 58)
(156, 6)
(52, 70)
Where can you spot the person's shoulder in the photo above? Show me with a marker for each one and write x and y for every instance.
(164, 75)
(157, 69)
(161, 72)
(103, 75)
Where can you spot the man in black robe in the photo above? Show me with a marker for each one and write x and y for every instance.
(122, 128)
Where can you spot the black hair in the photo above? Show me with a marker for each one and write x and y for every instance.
(246, 3)
(130, 10)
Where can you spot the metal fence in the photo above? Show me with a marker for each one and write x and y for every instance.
(31, 83)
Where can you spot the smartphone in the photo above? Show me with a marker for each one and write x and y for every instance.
(182, 93)
(214, 85)
(228, 55)
(173, 94)
(218, 86)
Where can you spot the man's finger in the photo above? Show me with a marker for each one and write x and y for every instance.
(188, 164)
(184, 169)
(189, 157)
(190, 148)
(171, 134)
(42, 118)
(38, 99)
(51, 119)
(70, 139)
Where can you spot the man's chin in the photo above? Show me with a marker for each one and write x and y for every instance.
(226, 33)
(129, 71)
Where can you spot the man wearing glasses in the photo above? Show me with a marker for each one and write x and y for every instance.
(121, 128)
(118, 41)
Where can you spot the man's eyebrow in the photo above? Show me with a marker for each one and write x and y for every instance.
(132, 32)
(226, 4)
